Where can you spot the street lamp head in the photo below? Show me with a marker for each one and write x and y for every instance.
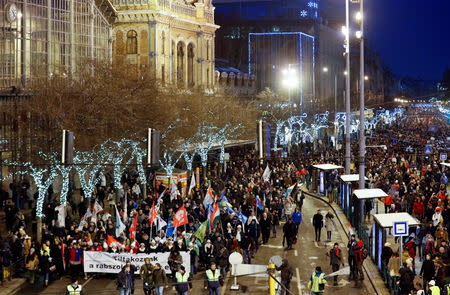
(345, 73)
(358, 34)
(366, 78)
(358, 16)
(290, 82)
(325, 69)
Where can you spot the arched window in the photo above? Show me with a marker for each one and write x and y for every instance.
(131, 42)
(163, 41)
(190, 65)
(180, 62)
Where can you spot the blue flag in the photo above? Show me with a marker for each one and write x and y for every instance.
(169, 231)
(258, 203)
(242, 217)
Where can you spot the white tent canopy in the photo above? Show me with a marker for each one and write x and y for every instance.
(327, 166)
(369, 193)
(387, 220)
(351, 177)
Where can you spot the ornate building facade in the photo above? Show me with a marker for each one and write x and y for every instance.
(173, 39)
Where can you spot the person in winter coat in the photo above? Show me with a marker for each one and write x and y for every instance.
(386, 253)
(329, 224)
(146, 273)
(159, 279)
(222, 260)
(286, 276)
(318, 224)
(289, 233)
(45, 264)
(297, 218)
(406, 280)
(32, 263)
(335, 255)
(441, 235)
(265, 224)
(419, 208)
(317, 282)
(394, 267)
(183, 279)
(125, 281)
(427, 271)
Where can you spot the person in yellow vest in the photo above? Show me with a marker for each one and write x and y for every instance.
(317, 282)
(184, 283)
(74, 288)
(433, 289)
(213, 280)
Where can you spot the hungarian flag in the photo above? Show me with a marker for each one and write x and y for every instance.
(110, 240)
(214, 216)
(133, 227)
(152, 215)
(209, 198)
(180, 217)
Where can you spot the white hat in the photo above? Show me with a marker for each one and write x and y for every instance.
(432, 283)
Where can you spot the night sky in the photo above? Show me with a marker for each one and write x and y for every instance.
(412, 36)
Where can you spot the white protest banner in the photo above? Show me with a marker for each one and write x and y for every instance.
(104, 262)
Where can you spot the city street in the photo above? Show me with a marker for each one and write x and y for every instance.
(304, 257)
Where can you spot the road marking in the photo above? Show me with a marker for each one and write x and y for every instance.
(299, 286)
(272, 246)
(295, 252)
(313, 257)
(88, 280)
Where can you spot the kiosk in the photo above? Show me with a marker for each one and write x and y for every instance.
(321, 175)
(345, 191)
(383, 222)
(357, 202)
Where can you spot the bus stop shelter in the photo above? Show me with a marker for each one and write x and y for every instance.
(380, 228)
(321, 175)
(345, 190)
(357, 203)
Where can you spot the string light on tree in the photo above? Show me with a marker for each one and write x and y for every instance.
(89, 171)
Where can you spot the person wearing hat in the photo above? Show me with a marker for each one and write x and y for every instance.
(183, 279)
(286, 276)
(74, 288)
(213, 280)
(147, 276)
(317, 282)
(434, 290)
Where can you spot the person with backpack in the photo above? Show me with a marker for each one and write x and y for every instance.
(406, 279)
(317, 282)
(360, 255)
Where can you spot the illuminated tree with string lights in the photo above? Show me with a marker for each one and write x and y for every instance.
(89, 169)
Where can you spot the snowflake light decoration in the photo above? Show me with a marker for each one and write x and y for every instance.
(303, 13)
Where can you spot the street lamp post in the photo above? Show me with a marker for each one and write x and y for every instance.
(347, 89)
(362, 138)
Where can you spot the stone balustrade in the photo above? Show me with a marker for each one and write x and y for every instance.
(231, 83)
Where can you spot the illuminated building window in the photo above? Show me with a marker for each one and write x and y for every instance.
(131, 42)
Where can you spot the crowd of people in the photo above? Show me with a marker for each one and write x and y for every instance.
(415, 184)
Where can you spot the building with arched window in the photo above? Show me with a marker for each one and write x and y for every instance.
(173, 39)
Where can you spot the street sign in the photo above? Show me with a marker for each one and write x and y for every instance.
(428, 150)
(400, 229)
(443, 157)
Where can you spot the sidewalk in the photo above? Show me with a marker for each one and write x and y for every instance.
(11, 287)
(375, 281)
